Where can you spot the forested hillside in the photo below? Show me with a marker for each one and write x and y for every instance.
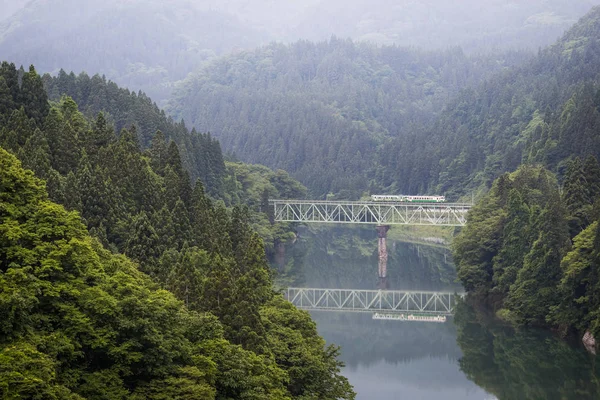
(531, 248)
(347, 118)
(545, 111)
(322, 111)
(200, 154)
(81, 321)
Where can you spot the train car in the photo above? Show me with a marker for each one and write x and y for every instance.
(408, 199)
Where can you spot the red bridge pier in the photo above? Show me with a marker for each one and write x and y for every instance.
(383, 254)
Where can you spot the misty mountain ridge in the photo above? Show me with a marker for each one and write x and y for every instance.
(152, 44)
(348, 108)
(141, 44)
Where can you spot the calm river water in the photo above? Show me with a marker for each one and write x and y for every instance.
(464, 358)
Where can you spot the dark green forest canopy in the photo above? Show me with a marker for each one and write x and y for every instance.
(545, 111)
(79, 322)
(323, 111)
(200, 154)
(190, 313)
(530, 249)
(54, 148)
(348, 118)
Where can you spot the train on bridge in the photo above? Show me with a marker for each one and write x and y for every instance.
(408, 199)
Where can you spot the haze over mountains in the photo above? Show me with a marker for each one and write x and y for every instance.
(343, 116)
(151, 44)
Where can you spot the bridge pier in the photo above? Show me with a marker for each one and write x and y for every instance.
(383, 254)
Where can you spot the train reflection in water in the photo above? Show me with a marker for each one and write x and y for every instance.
(410, 317)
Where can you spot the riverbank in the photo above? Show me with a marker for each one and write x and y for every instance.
(437, 236)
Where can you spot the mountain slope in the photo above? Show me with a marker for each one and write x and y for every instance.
(545, 111)
(78, 321)
(475, 25)
(141, 44)
(9, 7)
(322, 110)
(151, 44)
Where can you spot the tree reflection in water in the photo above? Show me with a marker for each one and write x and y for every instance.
(524, 364)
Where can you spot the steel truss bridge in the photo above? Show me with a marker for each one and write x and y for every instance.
(387, 301)
(371, 212)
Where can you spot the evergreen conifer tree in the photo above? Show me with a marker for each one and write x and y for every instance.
(533, 294)
(142, 244)
(576, 197)
(33, 96)
(515, 243)
(201, 212)
(591, 172)
(7, 103)
(71, 193)
(35, 154)
(64, 147)
(101, 135)
(17, 130)
(183, 177)
(158, 152)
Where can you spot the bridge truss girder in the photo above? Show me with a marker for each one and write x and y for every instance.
(369, 212)
(389, 301)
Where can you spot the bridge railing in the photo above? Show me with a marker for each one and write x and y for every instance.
(395, 301)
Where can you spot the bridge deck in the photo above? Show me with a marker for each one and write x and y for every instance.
(371, 212)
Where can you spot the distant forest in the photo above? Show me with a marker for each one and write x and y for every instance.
(325, 112)
(348, 119)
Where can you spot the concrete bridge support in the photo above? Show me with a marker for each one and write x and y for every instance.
(383, 254)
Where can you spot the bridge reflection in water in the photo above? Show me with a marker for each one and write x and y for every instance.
(407, 302)
(381, 214)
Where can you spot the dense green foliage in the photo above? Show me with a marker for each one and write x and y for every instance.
(516, 248)
(80, 321)
(523, 364)
(347, 118)
(322, 111)
(200, 153)
(343, 117)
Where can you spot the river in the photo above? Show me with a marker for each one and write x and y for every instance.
(468, 357)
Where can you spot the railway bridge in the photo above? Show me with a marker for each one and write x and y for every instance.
(371, 212)
(382, 214)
